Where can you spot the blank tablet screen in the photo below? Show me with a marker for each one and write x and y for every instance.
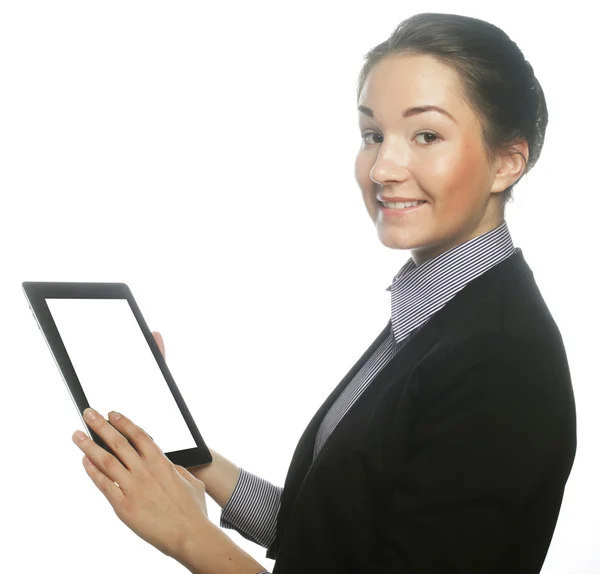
(116, 368)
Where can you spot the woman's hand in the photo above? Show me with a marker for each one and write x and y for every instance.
(161, 502)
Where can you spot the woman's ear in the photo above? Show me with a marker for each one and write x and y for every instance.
(511, 163)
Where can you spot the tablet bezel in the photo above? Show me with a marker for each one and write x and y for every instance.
(36, 292)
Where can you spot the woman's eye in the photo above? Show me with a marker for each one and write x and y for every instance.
(432, 137)
(367, 134)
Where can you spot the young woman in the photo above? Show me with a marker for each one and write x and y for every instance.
(447, 447)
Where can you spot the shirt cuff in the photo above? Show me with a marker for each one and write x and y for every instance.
(252, 509)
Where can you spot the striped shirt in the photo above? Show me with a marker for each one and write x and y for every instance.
(417, 292)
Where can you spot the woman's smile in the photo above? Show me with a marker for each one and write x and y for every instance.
(398, 209)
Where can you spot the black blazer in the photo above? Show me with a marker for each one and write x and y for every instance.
(454, 459)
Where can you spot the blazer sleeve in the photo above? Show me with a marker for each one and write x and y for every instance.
(492, 429)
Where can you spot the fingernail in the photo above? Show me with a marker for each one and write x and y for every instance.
(114, 415)
(89, 414)
(79, 436)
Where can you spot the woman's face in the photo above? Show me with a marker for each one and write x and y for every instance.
(426, 155)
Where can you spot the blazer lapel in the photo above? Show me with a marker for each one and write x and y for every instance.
(302, 461)
(303, 455)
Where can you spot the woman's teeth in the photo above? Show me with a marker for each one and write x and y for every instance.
(402, 205)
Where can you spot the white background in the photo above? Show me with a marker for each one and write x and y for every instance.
(203, 153)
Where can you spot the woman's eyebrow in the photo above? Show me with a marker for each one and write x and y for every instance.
(412, 111)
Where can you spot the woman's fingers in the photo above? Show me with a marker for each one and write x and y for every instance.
(111, 490)
(115, 469)
(127, 441)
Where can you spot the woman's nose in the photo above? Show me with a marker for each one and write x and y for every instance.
(389, 168)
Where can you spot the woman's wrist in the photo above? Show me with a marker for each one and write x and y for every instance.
(219, 477)
(210, 551)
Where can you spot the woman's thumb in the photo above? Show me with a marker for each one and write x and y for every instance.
(159, 341)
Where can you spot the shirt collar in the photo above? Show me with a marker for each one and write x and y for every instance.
(419, 291)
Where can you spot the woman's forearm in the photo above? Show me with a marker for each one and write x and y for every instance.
(220, 477)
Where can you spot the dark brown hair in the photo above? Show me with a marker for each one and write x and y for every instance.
(497, 80)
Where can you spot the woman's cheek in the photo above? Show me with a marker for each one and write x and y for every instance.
(444, 172)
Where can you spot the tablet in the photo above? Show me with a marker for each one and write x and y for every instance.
(109, 360)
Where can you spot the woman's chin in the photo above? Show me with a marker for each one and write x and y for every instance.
(396, 240)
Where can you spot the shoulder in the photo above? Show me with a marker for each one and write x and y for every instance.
(495, 366)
